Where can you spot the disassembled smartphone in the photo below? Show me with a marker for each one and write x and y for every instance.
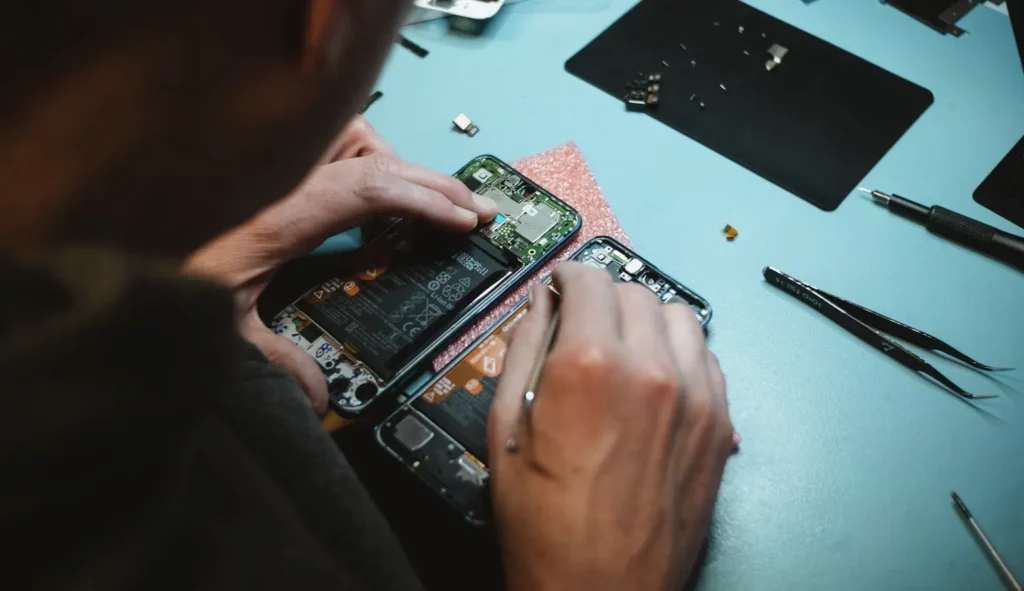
(440, 433)
(373, 329)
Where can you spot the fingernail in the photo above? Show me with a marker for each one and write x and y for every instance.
(485, 205)
(529, 295)
(466, 214)
(736, 440)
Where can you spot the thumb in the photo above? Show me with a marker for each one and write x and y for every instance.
(289, 357)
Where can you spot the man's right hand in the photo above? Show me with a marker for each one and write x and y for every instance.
(622, 454)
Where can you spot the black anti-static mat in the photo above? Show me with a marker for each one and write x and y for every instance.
(814, 125)
(1003, 190)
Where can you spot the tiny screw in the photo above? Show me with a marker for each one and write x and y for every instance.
(764, 35)
(702, 105)
(693, 63)
(665, 63)
(722, 86)
(683, 46)
(693, 96)
(741, 29)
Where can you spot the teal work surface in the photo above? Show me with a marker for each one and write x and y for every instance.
(848, 458)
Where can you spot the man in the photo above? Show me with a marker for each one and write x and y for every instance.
(145, 445)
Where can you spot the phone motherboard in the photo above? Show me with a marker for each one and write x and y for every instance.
(529, 221)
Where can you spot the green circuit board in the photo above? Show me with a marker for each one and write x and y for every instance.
(530, 221)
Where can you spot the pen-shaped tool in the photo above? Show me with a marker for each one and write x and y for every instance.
(957, 228)
(533, 379)
(990, 550)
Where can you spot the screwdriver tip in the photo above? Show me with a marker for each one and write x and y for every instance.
(982, 396)
(863, 190)
(960, 505)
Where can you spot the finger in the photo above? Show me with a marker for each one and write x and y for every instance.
(452, 189)
(589, 307)
(717, 377)
(643, 327)
(522, 354)
(719, 388)
(284, 354)
(688, 348)
(387, 194)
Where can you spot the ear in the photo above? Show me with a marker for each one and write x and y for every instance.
(325, 30)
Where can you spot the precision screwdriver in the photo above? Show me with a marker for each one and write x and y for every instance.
(956, 227)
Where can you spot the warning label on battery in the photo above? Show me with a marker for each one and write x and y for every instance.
(379, 313)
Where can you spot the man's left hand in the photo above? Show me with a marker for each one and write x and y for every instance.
(365, 179)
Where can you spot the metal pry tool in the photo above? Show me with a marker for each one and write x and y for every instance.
(533, 380)
(871, 327)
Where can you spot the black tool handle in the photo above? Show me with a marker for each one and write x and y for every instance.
(974, 234)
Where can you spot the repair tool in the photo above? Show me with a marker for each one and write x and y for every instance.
(990, 550)
(869, 327)
(530, 394)
(958, 228)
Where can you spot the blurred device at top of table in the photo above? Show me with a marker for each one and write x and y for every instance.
(478, 9)
(1003, 190)
(757, 90)
(941, 15)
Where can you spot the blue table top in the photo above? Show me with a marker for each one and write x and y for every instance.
(848, 458)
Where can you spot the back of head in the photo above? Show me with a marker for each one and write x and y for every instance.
(152, 126)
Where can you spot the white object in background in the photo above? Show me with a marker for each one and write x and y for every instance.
(474, 9)
(997, 7)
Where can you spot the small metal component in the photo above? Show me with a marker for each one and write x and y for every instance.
(465, 125)
(412, 433)
(702, 105)
(722, 86)
(633, 267)
(777, 52)
(740, 29)
(693, 63)
(716, 23)
(730, 233)
(683, 46)
(764, 35)
(746, 52)
(638, 100)
(665, 63)
(693, 96)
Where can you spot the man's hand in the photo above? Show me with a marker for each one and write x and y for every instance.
(368, 181)
(622, 454)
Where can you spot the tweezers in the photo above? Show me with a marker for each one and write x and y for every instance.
(533, 379)
(871, 327)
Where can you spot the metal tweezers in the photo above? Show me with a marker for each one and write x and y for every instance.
(870, 327)
(533, 379)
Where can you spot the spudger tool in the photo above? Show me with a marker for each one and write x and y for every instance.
(534, 378)
(871, 327)
(956, 227)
